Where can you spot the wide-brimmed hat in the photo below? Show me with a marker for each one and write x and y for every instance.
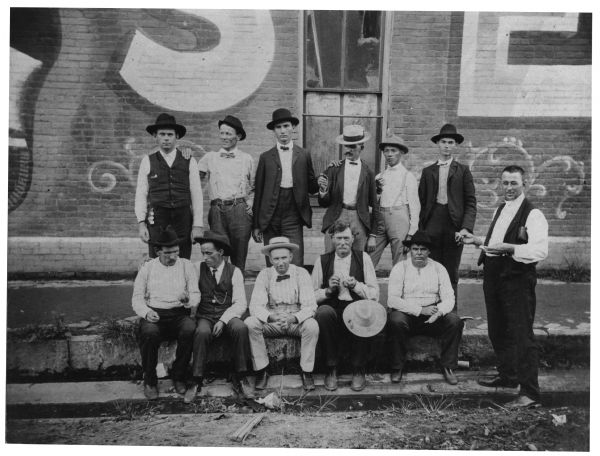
(165, 120)
(166, 238)
(218, 239)
(448, 131)
(394, 141)
(280, 242)
(421, 238)
(365, 318)
(235, 123)
(353, 134)
(282, 115)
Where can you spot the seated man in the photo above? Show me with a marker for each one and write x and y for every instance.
(421, 298)
(222, 304)
(283, 303)
(163, 292)
(340, 277)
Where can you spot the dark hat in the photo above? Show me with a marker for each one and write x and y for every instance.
(421, 238)
(394, 141)
(282, 115)
(448, 131)
(236, 123)
(166, 238)
(165, 120)
(219, 240)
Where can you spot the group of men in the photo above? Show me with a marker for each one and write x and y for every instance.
(337, 307)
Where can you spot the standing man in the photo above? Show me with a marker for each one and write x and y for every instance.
(168, 189)
(340, 277)
(222, 305)
(284, 179)
(448, 204)
(399, 205)
(231, 189)
(349, 190)
(283, 303)
(164, 291)
(516, 241)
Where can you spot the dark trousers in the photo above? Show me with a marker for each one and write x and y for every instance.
(235, 329)
(444, 248)
(234, 222)
(180, 219)
(334, 338)
(509, 291)
(287, 222)
(447, 329)
(174, 324)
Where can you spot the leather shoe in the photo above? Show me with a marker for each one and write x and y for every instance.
(331, 380)
(180, 387)
(396, 376)
(191, 393)
(307, 381)
(262, 378)
(449, 376)
(497, 382)
(151, 392)
(359, 381)
(522, 402)
(240, 386)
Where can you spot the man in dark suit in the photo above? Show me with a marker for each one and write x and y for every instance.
(448, 204)
(349, 190)
(284, 179)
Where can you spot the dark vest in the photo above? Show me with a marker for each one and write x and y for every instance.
(215, 298)
(356, 271)
(169, 187)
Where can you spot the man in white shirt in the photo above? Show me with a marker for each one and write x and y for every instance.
(421, 298)
(168, 190)
(516, 241)
(164, 291)
(399, 204)
(283, 303)
(339, 278)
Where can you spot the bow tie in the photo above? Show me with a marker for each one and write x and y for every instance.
(282, 277)
(284, 148)
(227, 154)
(353, 162)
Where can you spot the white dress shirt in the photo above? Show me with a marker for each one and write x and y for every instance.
(351, 176)
(286, 164)
(442, 195)
(401, 188)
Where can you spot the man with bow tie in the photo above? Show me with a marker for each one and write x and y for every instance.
(283, 303)
(230, 175)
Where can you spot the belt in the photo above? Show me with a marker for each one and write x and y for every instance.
(222, 202)
(389, 209)
(349, 207)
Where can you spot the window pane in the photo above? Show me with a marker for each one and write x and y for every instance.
(323, 49)
(363, 47)
(320, 140)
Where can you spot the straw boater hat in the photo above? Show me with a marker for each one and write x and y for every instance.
(280, 242)
(394, 141)
(219, 240)
(353, 134)
(165, 120)
(166, 238)
(421, 238)
(282, 115)
(365, 318)
(448, 131)
(234, 123)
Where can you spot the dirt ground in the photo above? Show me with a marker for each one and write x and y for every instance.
(428, 425)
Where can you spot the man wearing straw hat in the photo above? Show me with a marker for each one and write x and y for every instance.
(399, 205)
(349, 190)
(339, 278)
(421, 298)
(282, 303)
(164, 291)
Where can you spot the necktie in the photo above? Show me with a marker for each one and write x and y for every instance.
(284, 148)
(353, 162)
(214, 273)
(227, 154)
(282, 277)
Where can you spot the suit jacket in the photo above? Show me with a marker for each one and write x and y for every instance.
(366, 196)
(268, 182)
(462, 204)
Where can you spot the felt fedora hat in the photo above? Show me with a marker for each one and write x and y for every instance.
(448, 131)
(219, 240)
(280, 242)
(365, 318)
(165, 120)
(394, 141)
(282, 115)
(353, 134)
(421, 238)
(235, 123)
(166, 238)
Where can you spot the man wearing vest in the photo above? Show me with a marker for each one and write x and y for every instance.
(168, 189)
(339, 278)
(222, 305)
(421, 298)
(516, 241)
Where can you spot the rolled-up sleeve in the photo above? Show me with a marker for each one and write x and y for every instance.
(536, 248)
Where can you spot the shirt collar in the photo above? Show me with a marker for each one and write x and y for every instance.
(290, 270)
(346, 258)
(397, 166)
(444, 163)
(357, 161)
(290, 145)
(170, 154)
(233, 151)
(516, 202)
